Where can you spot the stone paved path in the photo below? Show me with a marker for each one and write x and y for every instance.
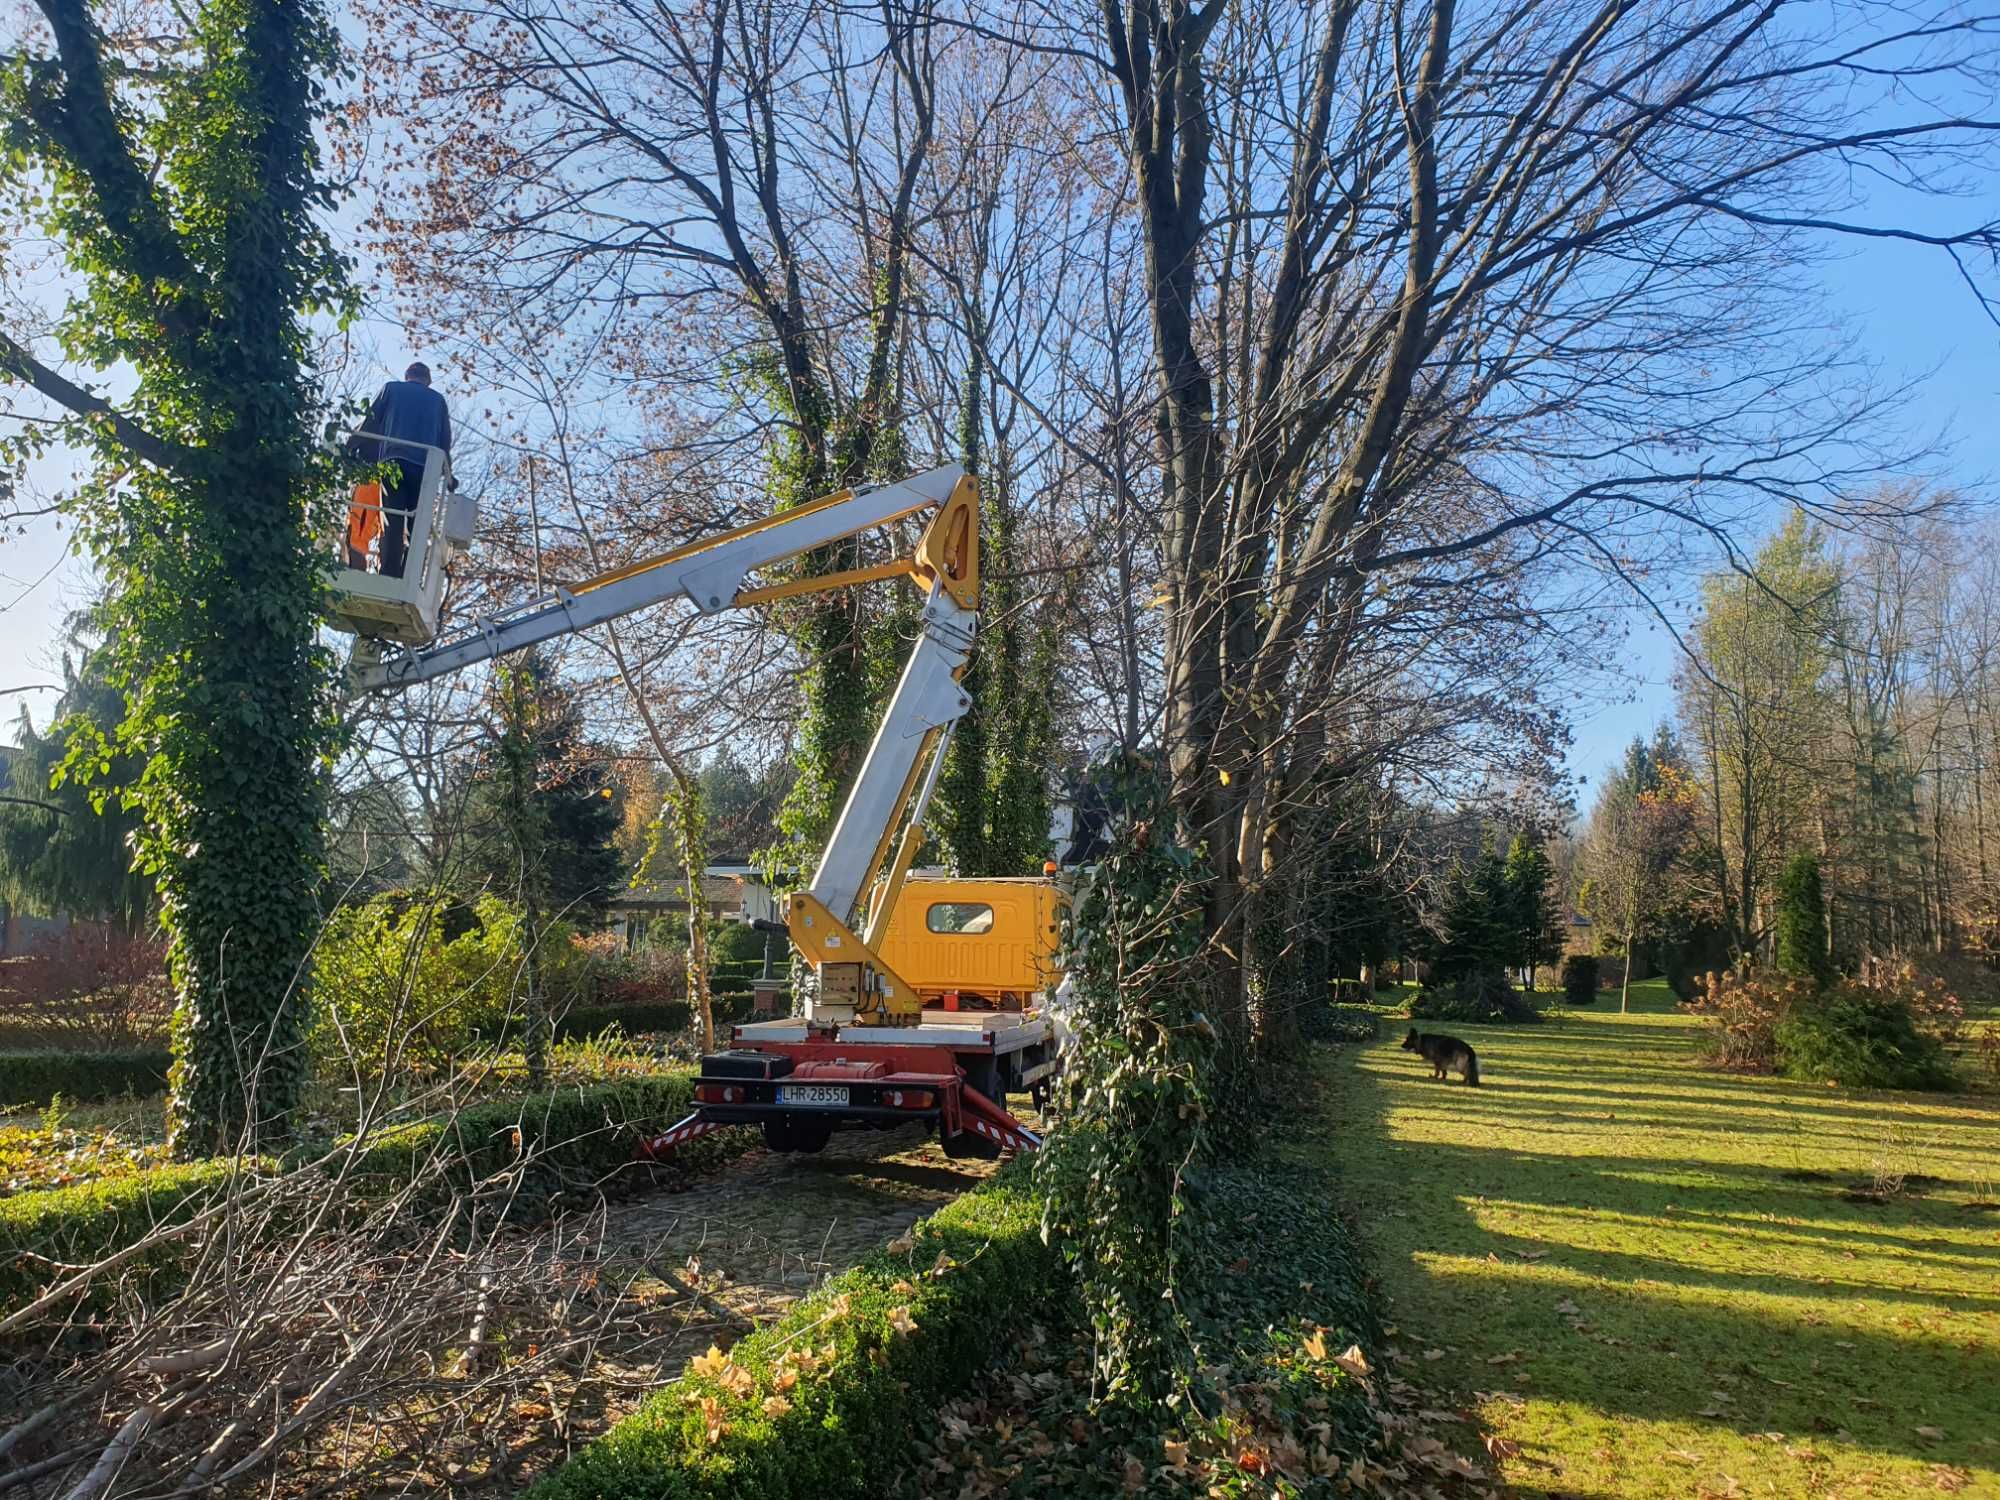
(749, 1240)
(781, 1222)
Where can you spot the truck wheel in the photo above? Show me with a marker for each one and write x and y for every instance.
(969, 1145)
(788, 1133)
(986, 1076)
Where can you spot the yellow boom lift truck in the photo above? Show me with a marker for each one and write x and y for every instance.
(931, 994)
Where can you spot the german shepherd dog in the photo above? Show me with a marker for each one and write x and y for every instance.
(1444, 1052)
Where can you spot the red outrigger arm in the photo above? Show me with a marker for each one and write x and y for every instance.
(662, 1145)
(981, 1114)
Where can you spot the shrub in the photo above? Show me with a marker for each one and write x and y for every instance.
(1740, 1010)
(34, 1078)
(553, 1148)
(1339, 1023)
(1476, 999)
(1801, 921)
(564, 1143)
(1864, 1033)
(1989, 1052)
(1933, 1005)
(1579, 979)
(827, 1400)
(1861, 1038)
(40, 1233)
(92, 985)
(395, 995)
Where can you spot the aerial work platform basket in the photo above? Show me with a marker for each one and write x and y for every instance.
(369, 597)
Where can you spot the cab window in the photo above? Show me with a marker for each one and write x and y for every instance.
(969, 917)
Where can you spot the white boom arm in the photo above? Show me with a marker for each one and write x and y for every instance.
(709, 574)
(902, 763)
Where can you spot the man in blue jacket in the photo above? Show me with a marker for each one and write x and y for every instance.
(410, 411)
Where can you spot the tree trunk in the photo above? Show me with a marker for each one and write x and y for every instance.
(1625, 981)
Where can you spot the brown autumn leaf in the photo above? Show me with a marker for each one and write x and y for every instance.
(1314, 1343)
(902, 1244)
(1177, 1453)
(776, 1406)
(713, 1426)
(1353, 1361)
(710, 1364)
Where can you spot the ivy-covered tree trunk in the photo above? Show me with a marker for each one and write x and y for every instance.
(992, 810)
(1136, 1096)
(184, 195)
(690, 821)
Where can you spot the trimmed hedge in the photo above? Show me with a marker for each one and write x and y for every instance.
(79, 1225)
(37, 1076)
(584, 1022)
(580, 1138)
(573, 1138)
(905, 1331)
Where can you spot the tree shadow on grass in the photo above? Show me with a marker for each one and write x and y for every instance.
(1634, 1333)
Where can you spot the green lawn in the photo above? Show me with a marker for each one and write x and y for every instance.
(1647, 1277)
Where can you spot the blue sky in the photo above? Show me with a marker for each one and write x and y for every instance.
(1903, 303)
(1916, 318)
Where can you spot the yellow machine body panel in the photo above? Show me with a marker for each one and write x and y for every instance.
(992, 943)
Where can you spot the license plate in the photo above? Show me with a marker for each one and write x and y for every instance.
(812, 1093)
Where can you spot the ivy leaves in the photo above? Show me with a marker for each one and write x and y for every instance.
(184, 198)
(1135, 1098)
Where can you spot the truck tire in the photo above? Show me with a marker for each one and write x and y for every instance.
(988, 1077)
(789, 1133)
(969, 1145)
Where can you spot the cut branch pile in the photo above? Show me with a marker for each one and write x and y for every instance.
(327, 1344)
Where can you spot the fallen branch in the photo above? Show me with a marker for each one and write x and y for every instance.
(116, 1452)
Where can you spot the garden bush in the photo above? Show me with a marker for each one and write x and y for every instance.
(1740, 1010)
(1861, 1037)
(1579, 979)
(34, 1078)
(554, 1148)
(43, 1232)
(1339, 1023)
(1476, 1000)
(827, 1400)
(1891, 1031)
(396, 995)
(93, 985)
